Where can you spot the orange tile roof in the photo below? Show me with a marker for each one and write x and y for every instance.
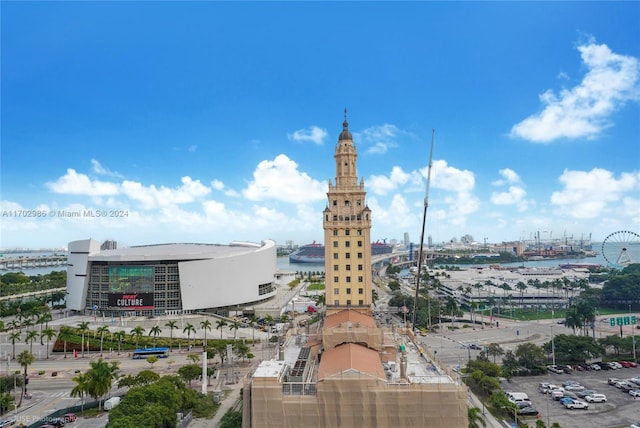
(350, 356)
(346, 316)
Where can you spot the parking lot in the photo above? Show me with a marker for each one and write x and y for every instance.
(619, 411)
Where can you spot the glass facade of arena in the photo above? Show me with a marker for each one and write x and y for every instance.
(135, 289)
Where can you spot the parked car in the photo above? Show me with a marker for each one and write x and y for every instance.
(595, 367)
(613, 380)
(557, 394)
(604, 366)
(585, 392)
(8, 422)
(596, 398)
(567, 369)
(570, 382)
(543, 387)
(528, 411)
(635, 425)
(576, 404)
(625, 364)
(616, 365)
(632, 364)
(625, 386)
(634, 393)
(555, 369)
(574, 387)
(69, 417)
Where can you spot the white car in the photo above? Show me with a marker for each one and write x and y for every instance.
(615, 365)
(595, 367)
(576, 404)
(635, 425)
(596, 398)
(574, 387)
(634, 393)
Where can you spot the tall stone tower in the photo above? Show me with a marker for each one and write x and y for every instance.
(347, 234)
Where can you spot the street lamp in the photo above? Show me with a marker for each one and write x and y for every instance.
(553, 346)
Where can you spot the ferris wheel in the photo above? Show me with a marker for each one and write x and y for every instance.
(621, 248)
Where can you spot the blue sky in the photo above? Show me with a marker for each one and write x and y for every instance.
(217, 121)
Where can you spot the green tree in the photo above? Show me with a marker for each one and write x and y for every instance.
(494, 350)
(49, 333)
(137, 333)
(101, 376)
(475, 418)
(152, 360)
(25, 359)
(172, 326)
(231, 419)
(119, 336)
(189, 328)
(32, 336)
(102, 330)
(155, 330)
(235, 325)
(190, 372)
(65, 334)
(14, 337)
(530, 354)
(81, 389)
(84, 329)
(205, 325)
(220, 324)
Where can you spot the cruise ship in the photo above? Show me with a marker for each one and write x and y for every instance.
(314, 252)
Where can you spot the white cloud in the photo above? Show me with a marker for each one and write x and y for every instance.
(450, 178)
(313, 133)
(381, 184)
(98, 168)
(379, 138)
(515, 193)
(152, 197)
(589, 194)
(280, 180)
(584, 110)
(192, 148)
(73, 183)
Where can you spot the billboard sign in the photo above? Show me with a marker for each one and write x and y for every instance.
(133, 301)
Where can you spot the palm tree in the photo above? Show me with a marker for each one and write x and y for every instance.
(205, 325)
(84, 328)
(25, 359)
(155, 330)
(172, 325)
(32, 336)
(120, 335)
(81, 388)
(475, 418)
(137, 332)
(220, 324)
(49, 333)
(102, 330)
(65, 334)
(235, 325)
(252, 322)
(521, 286)
(43, 318)
(189, 328)
(14, 337)
(101, 376)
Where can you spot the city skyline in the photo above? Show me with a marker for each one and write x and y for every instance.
(215, 122)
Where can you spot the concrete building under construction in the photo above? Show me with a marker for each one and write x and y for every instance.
(349, 371)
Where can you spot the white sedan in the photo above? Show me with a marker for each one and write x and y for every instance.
(576, 404)
(574, 387)
(634, 393)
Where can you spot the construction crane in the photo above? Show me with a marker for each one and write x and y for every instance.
(424, 220)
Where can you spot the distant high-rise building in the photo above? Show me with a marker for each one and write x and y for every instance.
(109, 245)
(406, 239)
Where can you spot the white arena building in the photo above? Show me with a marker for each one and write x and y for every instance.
(169, 279)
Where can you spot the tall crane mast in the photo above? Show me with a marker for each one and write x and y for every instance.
(424, 220)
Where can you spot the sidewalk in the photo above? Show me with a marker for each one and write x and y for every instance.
(231, 397)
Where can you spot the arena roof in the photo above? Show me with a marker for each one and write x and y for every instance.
(178, 251)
